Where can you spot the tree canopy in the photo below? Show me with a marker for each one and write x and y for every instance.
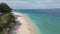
(6, 18)
(4, 8)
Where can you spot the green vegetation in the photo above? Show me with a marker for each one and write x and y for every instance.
(4, 8)
(6, 18)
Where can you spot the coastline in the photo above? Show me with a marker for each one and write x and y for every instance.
(36, 29)
(26, 25)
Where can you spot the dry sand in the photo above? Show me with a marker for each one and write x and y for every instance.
(23, 26)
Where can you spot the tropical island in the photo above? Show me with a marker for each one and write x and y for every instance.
(13, 22)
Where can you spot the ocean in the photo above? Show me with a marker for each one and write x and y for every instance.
(46, 20)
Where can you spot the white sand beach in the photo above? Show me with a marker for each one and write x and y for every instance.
(25, 26)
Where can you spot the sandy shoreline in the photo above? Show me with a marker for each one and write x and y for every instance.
(25, 26)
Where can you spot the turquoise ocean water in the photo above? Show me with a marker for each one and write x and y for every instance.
(46, 22)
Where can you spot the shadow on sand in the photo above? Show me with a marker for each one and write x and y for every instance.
(15, 27)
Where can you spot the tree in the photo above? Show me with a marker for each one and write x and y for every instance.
(4, 8)
(6, 19)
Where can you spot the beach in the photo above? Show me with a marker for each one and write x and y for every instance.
(23, 25)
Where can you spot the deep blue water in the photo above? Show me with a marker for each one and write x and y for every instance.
(47, 20)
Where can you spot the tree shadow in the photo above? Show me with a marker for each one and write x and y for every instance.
(15, 27)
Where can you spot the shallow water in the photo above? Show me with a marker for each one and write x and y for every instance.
(47, 23)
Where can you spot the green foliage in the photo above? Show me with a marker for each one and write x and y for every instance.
(4, 8)
(6, 18)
